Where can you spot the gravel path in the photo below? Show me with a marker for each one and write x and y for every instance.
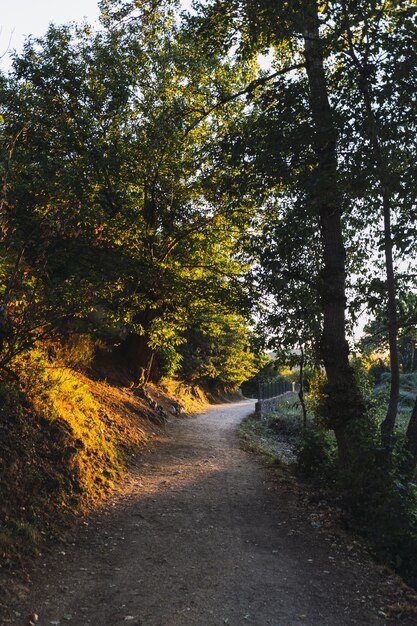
(199, 534)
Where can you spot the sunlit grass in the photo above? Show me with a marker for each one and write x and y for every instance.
(64, 442)
(191, 398)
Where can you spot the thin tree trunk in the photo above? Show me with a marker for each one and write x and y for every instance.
(388, 425)
(301, 390)
(344, 402)
(410, 463)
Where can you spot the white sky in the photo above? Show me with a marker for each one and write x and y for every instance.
(21, 18)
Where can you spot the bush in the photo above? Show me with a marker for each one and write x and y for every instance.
(386, 514)
(376, 371)
(287, 418)
(77, 352)
(316, 457)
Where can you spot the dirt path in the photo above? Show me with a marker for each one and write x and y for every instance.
(199, 535)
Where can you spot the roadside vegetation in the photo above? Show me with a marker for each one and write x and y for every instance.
(308, 453)
(278, 435)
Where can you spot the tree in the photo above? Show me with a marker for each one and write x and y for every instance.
(365, 33)
(217, 351)
(376, 335)
(124, 211)
(296, 36)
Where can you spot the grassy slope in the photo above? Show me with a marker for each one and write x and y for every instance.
(64, 441)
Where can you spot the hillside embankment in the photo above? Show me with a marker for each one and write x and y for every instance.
(66, 439)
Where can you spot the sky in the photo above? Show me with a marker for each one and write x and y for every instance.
(21, 18)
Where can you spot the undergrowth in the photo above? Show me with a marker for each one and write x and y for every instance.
(276, 436)
(378, 502)
(65, 439)
(408, 393)
(191, 398)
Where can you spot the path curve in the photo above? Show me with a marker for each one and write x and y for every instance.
(200, 535)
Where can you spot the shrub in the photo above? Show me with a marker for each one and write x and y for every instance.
(316, 457)
(287, 418)
(77, 352)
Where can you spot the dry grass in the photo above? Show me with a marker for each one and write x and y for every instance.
(191, 398)
(64, 442)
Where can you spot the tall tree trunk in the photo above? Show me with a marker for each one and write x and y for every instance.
(343, 400)
(387, 426)
(138, 356)
(383, 177)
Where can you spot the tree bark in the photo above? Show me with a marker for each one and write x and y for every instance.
(138, 356)
(301, 390)
(343, 400)
(387, 426)
(410, 463)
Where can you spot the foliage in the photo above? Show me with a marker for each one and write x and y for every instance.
(316, 457)
(276, 435)
(155, 180)
(119, 218)
(266, 371)
(376, 330)
(287, 418)
(218, 350)
(408, 392)
(190, 397)
(315, 398)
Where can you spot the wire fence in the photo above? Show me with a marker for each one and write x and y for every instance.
(274, 388)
